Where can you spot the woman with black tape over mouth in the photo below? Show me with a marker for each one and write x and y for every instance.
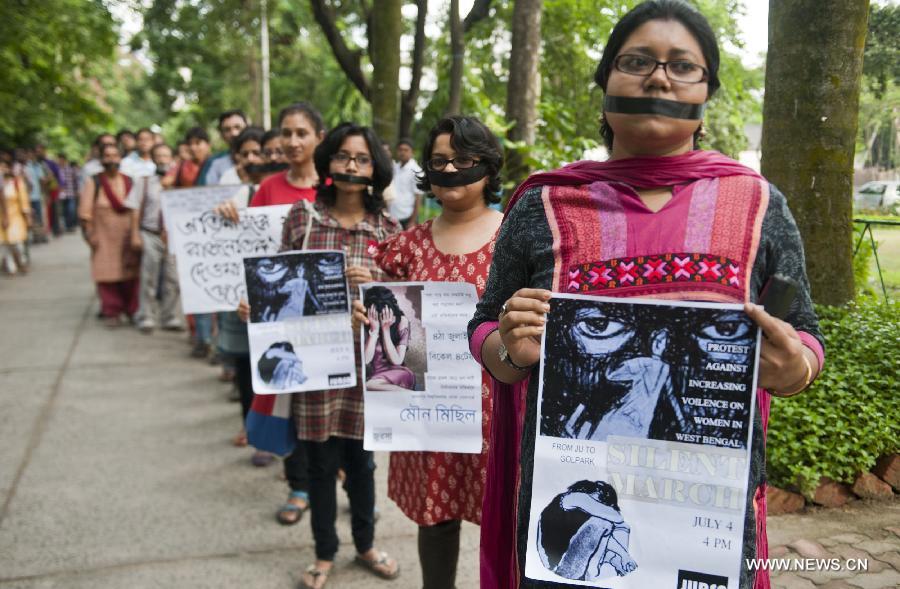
(661, 218)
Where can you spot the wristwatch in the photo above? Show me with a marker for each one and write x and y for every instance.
(504, 357)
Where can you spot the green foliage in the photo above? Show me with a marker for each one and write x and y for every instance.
(48, 49)
(851, 415)
(879, 101)
(862, 262)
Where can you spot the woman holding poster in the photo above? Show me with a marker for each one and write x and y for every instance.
(661, 218)
(438, 490)
(349, 214)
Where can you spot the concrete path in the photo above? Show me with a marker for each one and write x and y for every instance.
(116, 469)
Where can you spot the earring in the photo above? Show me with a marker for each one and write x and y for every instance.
(701, 132)
(371, 190)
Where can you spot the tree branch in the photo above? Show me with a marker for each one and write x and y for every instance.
(347, 59)
(411, 96)
(479, 12)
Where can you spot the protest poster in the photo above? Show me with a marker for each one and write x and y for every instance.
(208, 250)
(299, 330)
(645, 413)
(422, 386)
(199, 199)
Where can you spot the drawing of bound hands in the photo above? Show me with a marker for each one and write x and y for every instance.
(648, 376)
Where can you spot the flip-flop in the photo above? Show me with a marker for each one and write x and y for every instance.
(291, 508)
(316, 574)
(381, 561)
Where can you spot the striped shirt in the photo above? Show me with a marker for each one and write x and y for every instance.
(320, 415)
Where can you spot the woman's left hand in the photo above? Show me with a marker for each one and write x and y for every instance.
(359, 275)
(782, 368)
(387, 318)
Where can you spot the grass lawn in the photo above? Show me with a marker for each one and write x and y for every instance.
(888, 240)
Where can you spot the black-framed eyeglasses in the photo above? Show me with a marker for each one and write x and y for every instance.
(460, 162)
(270, 153)
(342, 158)
(686, 72)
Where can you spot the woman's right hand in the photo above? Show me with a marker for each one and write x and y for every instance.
(522, 325)
(243, 310)
(228, 210)
(358, 316)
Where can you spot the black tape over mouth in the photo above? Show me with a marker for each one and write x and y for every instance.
(654, 106)
(351, 179)
(270, 168)
(459, 178)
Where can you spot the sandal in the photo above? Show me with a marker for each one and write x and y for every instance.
(317, 578)
(380, 567)
(291, 513)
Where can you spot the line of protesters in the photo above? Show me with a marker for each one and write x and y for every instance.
(659, 194)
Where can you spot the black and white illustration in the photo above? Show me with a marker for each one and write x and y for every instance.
(280, 368)
(583, 535)
(289, 286)
(642, 446)
(648, 371)
(300, 332)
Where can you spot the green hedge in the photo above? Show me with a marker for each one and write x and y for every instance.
(851, 415)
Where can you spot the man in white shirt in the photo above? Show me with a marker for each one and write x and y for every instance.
(405, 206)
(138, 163)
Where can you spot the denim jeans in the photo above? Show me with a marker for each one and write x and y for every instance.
(359, 465)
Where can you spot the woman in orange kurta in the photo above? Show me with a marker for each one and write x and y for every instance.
(106, 226)
(15, 215)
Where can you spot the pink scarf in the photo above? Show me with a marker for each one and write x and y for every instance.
(499, 567)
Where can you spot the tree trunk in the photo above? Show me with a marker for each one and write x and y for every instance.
(457, 56)
(411, 96)
(809, 129)
(524, 86)
(384, 51)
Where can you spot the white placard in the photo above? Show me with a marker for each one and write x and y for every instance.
(422, 386)
(642, 450)
(300, 334)
(209, 249)
(199, 199)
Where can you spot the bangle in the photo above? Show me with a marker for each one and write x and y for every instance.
(806, 381)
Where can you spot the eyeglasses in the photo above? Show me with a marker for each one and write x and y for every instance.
(342, 158)
(460, 162)
(685, 72)
(270, 153)
(249, 152)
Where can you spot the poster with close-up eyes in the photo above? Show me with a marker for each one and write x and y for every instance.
(423, 389)
(642, 451)
(299, 329)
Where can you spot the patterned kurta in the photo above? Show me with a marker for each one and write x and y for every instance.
(17, 206)
(320, 415)
(432, 487)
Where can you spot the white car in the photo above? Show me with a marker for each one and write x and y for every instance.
(878, 195)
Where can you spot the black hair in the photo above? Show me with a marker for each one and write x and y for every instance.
(99, 138)
(604, 491)
(305, 109)
(405, 141)
(248, 134)
(122, 133)
(144, 130)
(180, 143)
(382, 166)
(267, 364)
(382, 298)
(677, 10)
(158, 146)
(231, 113)
(469, 136)
(196, 133)
(270, 135)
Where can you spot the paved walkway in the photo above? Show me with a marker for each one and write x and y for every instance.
(116, 468)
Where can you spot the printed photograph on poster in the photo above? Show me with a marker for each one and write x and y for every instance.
(648, 371)
(394, 342)
(299, 331)
(423, 389)
(294, 285)
(208, 251)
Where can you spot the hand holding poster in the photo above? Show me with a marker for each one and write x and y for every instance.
(300, 336)
(645, 416)
(422, 386)
(199, 199)
(208, 251)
